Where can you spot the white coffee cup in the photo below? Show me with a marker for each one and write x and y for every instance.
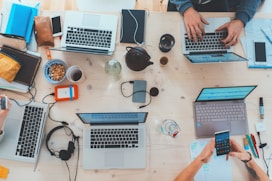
(75, 74)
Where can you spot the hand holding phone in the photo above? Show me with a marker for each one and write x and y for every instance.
(222, 142)
(4, 102)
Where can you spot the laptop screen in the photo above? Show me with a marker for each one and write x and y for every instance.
(113, 117)
(225, 93)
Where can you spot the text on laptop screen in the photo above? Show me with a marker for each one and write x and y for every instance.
(113, 118)
(225, 93)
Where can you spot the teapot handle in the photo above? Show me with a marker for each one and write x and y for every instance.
(128, 48)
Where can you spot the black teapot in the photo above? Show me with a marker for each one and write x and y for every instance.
(137, 58)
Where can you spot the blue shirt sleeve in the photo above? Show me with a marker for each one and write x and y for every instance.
(182, 5)
(246, 10)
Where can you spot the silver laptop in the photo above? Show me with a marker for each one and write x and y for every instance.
(114, 140)
(210, 49)
(24, 131)
(221, 108)
(89, 33)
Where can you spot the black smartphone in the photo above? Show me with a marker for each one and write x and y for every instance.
(260, 53)
(222, 142)
(139, 91)
(4, 102)
(56, 25)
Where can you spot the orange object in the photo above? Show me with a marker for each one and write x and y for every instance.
(66, 92)
(4, 172)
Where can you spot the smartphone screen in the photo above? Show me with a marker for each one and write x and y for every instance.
(56, 26)
(222, 142)
(260, 53)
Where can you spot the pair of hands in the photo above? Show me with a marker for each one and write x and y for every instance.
(194, 21)
(236, 151)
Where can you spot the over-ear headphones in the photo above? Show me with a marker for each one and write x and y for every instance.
(62, 154)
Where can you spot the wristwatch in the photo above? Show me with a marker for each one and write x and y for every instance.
(250, 158)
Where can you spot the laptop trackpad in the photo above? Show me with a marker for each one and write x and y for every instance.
(221, 125)
(90, 20)
(114, 159)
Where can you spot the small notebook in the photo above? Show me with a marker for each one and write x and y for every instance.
(133, 26)
(29, 65)
(21, 20)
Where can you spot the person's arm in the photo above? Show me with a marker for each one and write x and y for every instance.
(247, 10)
(182, 5)
(3, 115)
(190, 171)
(255, 171)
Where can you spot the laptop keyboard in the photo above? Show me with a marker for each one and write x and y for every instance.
(88, 37)
(28, 139)
(114, 138)
(210, 42)
(220, 112)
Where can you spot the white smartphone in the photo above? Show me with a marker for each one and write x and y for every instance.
(56, 25)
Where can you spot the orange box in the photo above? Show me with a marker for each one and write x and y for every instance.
(66, 92)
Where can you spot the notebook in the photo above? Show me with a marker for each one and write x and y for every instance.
(29, 66)
(210, 49)
(24, 131)
(221, 108)
(110, 149)
(89, 33)
(133, 26)
(21, 20)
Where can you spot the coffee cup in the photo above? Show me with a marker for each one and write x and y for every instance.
(75, 74)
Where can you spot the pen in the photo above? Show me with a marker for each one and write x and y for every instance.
(245, 142)
(250, 142)
(266, 36)
(261, 106)
(254, 143)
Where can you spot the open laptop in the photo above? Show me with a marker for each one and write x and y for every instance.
(89, 33)
(24, 131)
(210, 49)
(105, 143)
(221, 108)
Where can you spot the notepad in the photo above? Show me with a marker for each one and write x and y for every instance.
(133, 26)
(21, 20)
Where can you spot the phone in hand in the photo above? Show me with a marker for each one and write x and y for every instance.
(222, 142)
(56, 25)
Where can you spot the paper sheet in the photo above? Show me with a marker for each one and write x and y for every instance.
(254, 34)
(218, 168)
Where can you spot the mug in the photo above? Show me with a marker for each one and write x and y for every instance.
(75, 74)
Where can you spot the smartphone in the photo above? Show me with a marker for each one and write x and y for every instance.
(4, 102)
(139, 91)
(260, 53)
(56, 25)
(222, 142)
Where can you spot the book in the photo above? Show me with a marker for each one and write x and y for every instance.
(29, 65)
(21, 21)
(133, 26)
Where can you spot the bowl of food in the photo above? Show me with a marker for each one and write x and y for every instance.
(54, 71)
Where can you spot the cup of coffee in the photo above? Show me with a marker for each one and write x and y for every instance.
(75, 74)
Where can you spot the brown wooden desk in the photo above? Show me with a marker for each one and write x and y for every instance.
(179, 82)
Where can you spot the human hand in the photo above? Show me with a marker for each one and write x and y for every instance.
(238, 151)
(4, 113)
(207, 151)
(193, 22)
(234, 29)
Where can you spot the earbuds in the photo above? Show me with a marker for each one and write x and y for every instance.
(62, 154)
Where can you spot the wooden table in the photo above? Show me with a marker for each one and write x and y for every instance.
(179, 83)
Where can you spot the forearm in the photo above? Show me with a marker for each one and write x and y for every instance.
(256, 172)
(190, 171)
(182, 5)
(247, 9)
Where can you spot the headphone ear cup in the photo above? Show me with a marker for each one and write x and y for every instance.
(64, 155)
(71, 147)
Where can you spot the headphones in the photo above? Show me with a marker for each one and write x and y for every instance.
(62, 154)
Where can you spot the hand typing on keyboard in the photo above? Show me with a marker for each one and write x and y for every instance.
(3, 115)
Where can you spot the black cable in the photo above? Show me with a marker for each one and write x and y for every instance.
(150, 97)
(261, 146)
